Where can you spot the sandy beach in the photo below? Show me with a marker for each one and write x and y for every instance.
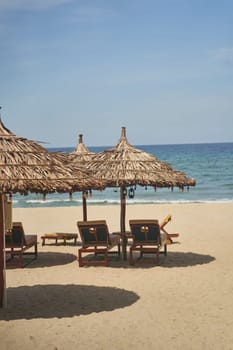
(184, 303)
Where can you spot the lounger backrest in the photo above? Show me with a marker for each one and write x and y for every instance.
(17, 235)
(165, 221)
(145, 231)
(94, 232)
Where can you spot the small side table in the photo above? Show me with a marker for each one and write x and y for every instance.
(124, 240)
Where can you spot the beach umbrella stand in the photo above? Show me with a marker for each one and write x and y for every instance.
(79, 156)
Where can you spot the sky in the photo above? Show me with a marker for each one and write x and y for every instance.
(161, 68)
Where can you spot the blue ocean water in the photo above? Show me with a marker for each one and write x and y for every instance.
(210, 164)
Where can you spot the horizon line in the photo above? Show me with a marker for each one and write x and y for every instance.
(150, 144)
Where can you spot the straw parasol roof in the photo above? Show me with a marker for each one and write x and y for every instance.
(79, 157)
(25, 166)
(81, 153)
(125, 165)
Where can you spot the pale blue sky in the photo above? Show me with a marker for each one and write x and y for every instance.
(161, 68)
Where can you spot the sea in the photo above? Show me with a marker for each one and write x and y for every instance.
(210, 164)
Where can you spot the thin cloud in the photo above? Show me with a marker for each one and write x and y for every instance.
(89, 14)
(30, 5)
(223, 54)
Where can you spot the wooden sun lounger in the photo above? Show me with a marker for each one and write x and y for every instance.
(96, 239)
(18, 244)
(146, 239)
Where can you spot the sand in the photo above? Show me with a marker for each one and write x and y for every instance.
(184, 303)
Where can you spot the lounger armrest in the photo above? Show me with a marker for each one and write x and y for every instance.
(30, 239)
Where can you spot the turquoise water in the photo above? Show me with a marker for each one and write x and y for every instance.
(210, 164)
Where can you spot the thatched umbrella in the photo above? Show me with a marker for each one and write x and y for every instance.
(125, 165)
(80, 156)
(81, 153)
(25, 166)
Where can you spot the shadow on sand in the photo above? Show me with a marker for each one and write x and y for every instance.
(186, 259)
(45, 259)
(48, 301)
(173, 259)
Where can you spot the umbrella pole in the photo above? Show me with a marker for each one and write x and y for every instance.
(84, 206)
(2, 254)
(123, 209)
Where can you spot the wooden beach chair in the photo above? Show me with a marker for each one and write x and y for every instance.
(169, 236)
(146, 239)
(96, 239)
(18, 244)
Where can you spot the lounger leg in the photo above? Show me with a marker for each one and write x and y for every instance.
(80, 262)
(141, 252)
(96, 252)
(119, 249)
(157, 256)
(36, 252)
(12, 253)
(21, 260)
(106, 258)
(165, 250)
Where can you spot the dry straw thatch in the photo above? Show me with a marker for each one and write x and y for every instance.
(25, 166)
(125, 165)
(81, 153)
